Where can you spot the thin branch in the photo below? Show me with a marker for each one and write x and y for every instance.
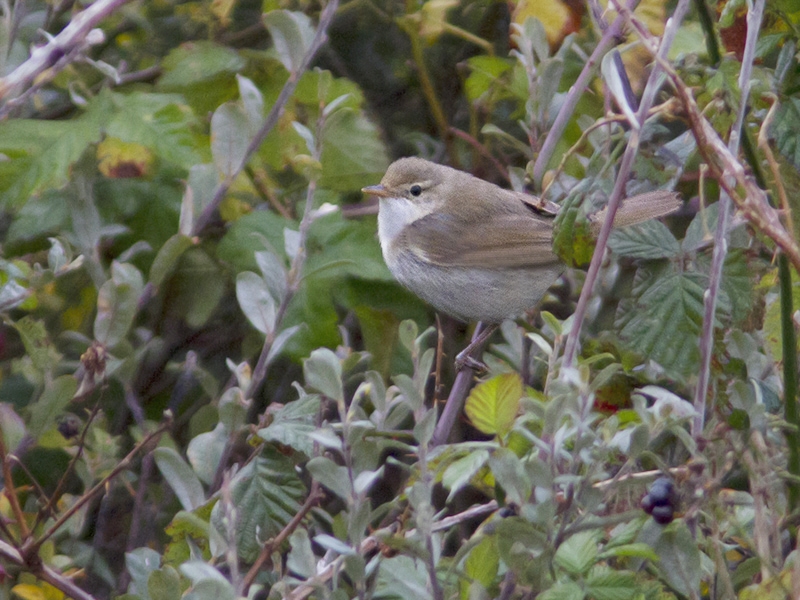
(455, 401)
(574, 95)
(745, 192)
(721, 235)
(653, 83)
(99, 486)
(314, 496)
(73, 39)
(321, 35)
(9, 490)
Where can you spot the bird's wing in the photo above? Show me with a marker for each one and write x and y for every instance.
(505, 241)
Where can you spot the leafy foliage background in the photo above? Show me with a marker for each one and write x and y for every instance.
(212, 387)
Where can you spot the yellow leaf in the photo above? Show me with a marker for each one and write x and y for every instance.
(119, 160)
(222, 9)
(492, 406)
(559, 19)
(28, 591)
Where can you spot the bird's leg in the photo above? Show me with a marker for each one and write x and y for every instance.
(465, 358)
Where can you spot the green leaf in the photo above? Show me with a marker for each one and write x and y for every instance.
(266, 493)
(484, 72)
(323, 372)
(402, 577)
(483, 563)
(180, 477)
(563, 590)
(292, 33)
(55, 398)
(252, 101)
(680, 561)
(205, 450)
(573, 241)
(11, 426)
(301, 559)
(292, 424)
(631, 550)
(331, 475)
(167, 258)
(37, 345)
(786, 130)
(604, 583)
(459, 473)
(579, 552)
(492, 405)
(198, 61)
(161, 122)
(164, 584)
(230, 136)
(256, 302)
(663, 321)
(39, 155)
(353, 154)
(274, 272)
(117, 304)
(649, 240)
(140, 564)
(511, 475)
(207, 582)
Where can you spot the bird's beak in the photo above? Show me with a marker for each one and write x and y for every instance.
(377, 190)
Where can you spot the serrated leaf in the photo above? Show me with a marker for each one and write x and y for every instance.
(604, 583)
(55, 398)
(786, 130)
(353, 154)
(649, 240)
(256, 301)
(37, 345)
(579, 552)
(160, 122)
(292, 33)
(42, 154)
(663, 321)
(230, 137)
(180, 477)
(492, 405)
(266, 494)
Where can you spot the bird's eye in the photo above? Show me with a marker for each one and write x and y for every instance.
(415, 190)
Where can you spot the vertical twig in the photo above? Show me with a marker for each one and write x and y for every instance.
(574, 95)
(573, 338)
(321, 35)
(721, 235)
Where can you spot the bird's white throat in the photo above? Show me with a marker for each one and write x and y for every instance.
(394, 215)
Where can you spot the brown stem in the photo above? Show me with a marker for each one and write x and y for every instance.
(99, 486)
(314, 496)
(10, 492)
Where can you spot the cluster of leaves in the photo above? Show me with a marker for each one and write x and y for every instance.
(211, 387)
